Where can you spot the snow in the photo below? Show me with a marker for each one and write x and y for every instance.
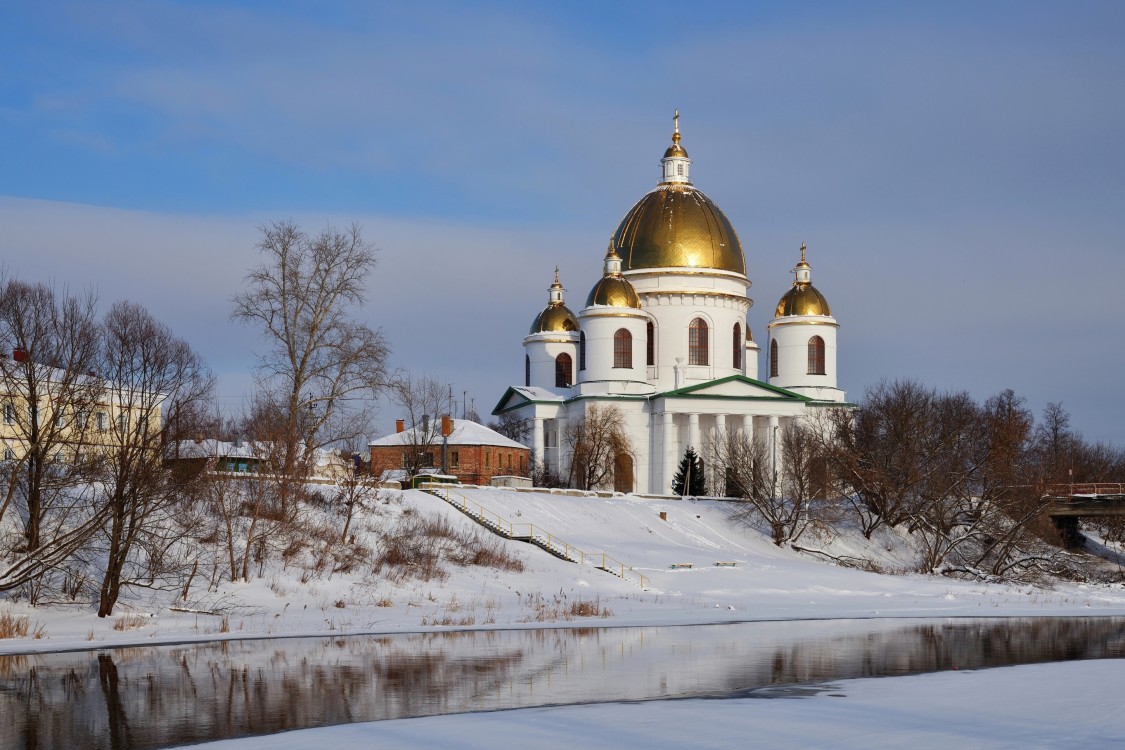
(766, 582)
(1063, 705)
(1042, 706)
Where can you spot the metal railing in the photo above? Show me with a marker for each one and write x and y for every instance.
(1086, 488)
(533, 534)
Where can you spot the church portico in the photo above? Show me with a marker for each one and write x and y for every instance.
(664, 342)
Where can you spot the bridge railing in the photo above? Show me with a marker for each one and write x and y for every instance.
(1085, 488)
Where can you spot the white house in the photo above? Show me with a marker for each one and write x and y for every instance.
(663, 336)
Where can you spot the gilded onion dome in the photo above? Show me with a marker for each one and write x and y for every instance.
(613, 289)
(556, 316)
(676, 225)
(803, 298)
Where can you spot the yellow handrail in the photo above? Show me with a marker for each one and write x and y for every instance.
(569, 551)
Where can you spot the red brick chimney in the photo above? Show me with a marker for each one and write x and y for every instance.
(400, 425)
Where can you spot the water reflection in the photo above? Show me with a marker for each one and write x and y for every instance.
(162, 696)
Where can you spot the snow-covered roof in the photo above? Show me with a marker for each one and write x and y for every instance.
(211, 448)
(465, 432)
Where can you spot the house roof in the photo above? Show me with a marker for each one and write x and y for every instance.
(465, 432)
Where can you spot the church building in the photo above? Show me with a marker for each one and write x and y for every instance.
(663, 337)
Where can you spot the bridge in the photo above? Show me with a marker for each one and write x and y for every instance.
(1070, 502)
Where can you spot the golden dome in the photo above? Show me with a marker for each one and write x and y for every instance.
(614, 291)
(802, 299)
(555, 317)
(678, 226)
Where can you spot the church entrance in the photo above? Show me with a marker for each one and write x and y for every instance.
(623, 473)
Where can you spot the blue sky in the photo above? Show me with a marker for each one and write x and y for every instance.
(957, 169)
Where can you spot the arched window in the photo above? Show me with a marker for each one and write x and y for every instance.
(527, 370)
(622, 348)
(581, 350)
(816, 356)
(736, 352)
(650, 344)
(564, 375)
(773, 358)
(697, 342)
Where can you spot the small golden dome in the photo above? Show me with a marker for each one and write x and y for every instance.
(555, 317)
(678, 226)
(676, 150)
(614, 291)
(802, 299)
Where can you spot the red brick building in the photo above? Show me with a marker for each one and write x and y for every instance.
(473, 453)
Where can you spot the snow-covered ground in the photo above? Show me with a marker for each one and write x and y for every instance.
(678, 554)
(765, 582)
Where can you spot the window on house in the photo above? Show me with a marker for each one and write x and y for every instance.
(454, 459)
(581, 350)
(82, 419)
(773, 358)
(650, 344)
(527, 370)
(564, 371)
(9, 413)
(9, 454)
(102, 421)
(737, 350)
(406, 459)
(123, 422)
(60, 417)
(622, 348)
(680, 169)
(697, 342)
(816, 356)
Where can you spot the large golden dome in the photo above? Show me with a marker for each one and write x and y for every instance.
(678, 226)
(803, 298)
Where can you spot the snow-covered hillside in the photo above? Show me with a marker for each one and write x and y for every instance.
(756, 580)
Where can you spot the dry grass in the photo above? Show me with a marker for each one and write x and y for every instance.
(13, 626)
(560, 607)
(130, 622)
(384, 602)
(420, 547)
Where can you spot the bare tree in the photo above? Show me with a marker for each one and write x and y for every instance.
(599, 447)
(354, 494)
(423, 400)
(150, 375)
(321, 368)
(48, 394)
(511, 425)
(785, 505)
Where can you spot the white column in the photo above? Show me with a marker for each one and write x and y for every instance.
(670, 457)
(560, 440)
(748, 427)
(693, 431)
(538, 450)
(775, 459)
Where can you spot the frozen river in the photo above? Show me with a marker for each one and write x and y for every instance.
(162, 696)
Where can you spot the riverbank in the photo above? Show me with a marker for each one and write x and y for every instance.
(698, 565)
